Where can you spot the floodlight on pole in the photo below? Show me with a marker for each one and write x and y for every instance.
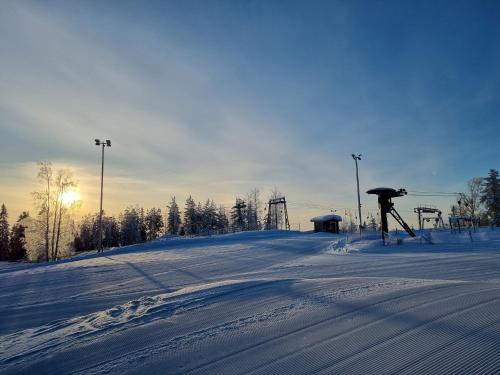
(356, 158)
(107, 143)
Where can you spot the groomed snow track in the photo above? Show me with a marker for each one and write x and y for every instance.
(258, 303)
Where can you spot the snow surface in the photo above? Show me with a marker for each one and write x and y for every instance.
(259, 303)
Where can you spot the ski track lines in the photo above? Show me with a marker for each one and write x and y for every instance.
(257, 305)
(418, 340)
(218, 314)
(244, 290)
(119, 293)
(245, 358)
(256, 352)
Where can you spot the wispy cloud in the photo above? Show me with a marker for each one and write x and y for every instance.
(212, 103)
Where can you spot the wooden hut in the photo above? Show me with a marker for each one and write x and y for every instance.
(327, 223)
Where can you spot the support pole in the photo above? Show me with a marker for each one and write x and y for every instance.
(356, 158)
(100, 206)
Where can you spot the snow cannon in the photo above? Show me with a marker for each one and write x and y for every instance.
(386, 206)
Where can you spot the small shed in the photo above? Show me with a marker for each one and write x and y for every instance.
(327, 223)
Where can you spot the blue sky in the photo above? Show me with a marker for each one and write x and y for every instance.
(214, 98)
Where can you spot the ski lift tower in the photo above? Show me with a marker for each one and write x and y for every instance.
(438, 219)
(277, 206)
(240, 205)
(385, 196)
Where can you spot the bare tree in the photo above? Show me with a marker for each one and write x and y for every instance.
(254, 210)
(52, 208)
(470, 201)
(64, 181)
(43, 199)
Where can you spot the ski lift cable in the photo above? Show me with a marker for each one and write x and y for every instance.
(432, 195)
(432, 192)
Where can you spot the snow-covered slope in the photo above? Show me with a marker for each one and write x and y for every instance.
(261, 302)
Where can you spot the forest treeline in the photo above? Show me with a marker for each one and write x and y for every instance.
(54, 232)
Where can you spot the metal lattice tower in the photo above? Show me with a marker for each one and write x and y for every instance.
(277, 206)
(239, 206)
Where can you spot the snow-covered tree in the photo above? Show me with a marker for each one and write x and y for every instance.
(490, 195)
(88, 233)
(199, 218)
(143, 230)
(4, 234)
(55, 221)
(62, 182)
(209, 217)
(44, 199)
(110, 232)
(173, 217)
(190, 217)
(372, 223)
(154, 223)
(254, 210)
(17, 242)
(130, 226)
(222, 220)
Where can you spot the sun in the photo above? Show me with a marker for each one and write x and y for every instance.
(69, 197)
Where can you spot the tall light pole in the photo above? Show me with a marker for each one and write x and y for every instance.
(107, 143)
(356, 158)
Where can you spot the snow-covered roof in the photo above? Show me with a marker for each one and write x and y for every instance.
(323, 218)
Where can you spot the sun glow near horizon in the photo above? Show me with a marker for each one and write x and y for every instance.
(67, 198)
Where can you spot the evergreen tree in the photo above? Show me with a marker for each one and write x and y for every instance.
(209, 217)
(4, 234)
(199, 218)
(143, 230)
(222, 220)
(154, 223)
(111, 232)
(490, 195)
(87, 234)
(251, 222)
(173, 218)
(372, 223)
(190, 217)
(130, 227)
(18, 240)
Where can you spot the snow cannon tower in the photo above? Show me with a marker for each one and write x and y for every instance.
(385, 196)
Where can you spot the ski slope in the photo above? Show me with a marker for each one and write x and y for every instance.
(259, 303)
